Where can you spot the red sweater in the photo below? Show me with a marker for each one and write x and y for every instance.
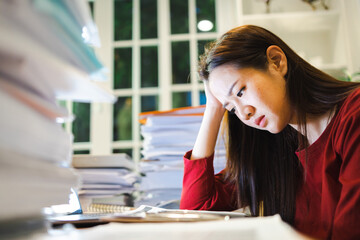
(328, 203)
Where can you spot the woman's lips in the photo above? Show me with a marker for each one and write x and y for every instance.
(260, 121)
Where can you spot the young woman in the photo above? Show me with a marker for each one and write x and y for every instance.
(293, 137)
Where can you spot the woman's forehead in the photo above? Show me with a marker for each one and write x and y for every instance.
(229, 73)
(223, 79)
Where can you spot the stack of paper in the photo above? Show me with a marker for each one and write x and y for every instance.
(43, 57)
(167, 136)
(108, 179)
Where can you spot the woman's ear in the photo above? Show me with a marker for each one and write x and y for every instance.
(276, 58)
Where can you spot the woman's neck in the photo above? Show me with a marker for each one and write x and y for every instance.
(315, 125)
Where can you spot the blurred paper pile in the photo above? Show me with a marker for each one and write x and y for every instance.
(44, 56)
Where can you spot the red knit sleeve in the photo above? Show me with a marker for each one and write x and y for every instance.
(347, 213)
(202, 190)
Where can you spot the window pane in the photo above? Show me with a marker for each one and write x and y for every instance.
(202, 98)
(128, 151)
(149, 66)
(122, 68)
(205, 14)
(181, 99)
(123, 119)
(149, 103)
(122, 19)
(81, 124)
(81, 151)
(180, 62)
(148, 18)
(179, 16)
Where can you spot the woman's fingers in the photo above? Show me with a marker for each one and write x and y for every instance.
(211, 100)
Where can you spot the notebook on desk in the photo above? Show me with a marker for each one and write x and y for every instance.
(74, 213)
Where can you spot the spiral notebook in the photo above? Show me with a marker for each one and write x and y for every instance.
(75, 214)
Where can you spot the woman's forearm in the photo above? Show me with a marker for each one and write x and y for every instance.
(207, 136)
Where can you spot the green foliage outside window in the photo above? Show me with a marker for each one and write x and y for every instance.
(179, 16)
(181, 99)
(123, 119)
(122, 68)
(81, 124)
(123, 19)
(180, 62)
(148, 18)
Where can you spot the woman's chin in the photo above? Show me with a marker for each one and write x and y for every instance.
(274, 129)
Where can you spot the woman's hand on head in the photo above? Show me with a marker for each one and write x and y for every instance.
(210, 125)
(211, 101)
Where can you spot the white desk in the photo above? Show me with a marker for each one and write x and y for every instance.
(240, 228)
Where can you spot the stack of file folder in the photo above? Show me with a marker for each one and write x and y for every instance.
(167, 136)
(106, 179)
(44, 56)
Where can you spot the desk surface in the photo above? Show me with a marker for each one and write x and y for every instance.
(241, 228)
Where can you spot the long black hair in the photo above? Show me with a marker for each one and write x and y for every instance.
(262, 165)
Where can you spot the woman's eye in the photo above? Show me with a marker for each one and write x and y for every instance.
(241, 92)
(232, 111)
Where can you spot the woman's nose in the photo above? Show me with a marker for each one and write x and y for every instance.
(246, 112)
